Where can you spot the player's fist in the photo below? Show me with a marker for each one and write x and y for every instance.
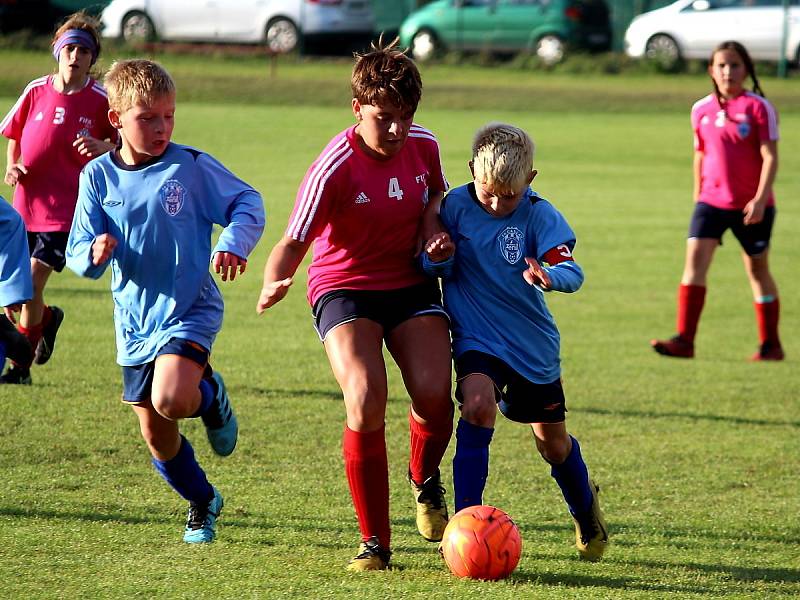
(91, 147)
(227, 264)
(440, 247)
(535, 274)
(272, 293)
(102, 248)
(14, 173)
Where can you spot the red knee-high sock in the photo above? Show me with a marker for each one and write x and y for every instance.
(767, 314)
(367, 471)
(690, 304)
(428, 443)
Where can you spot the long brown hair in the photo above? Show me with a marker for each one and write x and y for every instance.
(748, 64)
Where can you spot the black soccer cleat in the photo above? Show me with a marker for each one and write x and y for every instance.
(44, 349)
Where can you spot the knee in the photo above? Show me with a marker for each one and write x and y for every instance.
(366, 406)
(479, 409)
(171, 405)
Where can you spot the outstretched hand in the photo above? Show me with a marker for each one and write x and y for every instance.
(535, 274)
(102, 248)
(440, 247)
(227, 264)
(272, 293)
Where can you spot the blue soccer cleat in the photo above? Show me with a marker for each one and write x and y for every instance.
(201, 524)
(222, 428)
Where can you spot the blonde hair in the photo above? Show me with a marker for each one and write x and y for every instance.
(136, 81)
(386, 73)
(502, 156)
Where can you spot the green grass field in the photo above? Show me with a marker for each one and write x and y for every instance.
(698, 461)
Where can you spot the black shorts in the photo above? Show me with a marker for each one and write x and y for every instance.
(137, 380)
(389, 308)
(49, 247)
(711, 222)
(519, 399)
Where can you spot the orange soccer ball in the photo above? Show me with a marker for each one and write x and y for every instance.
(481, 542)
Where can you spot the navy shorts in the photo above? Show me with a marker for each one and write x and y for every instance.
(137, 380)
(49, 247)
(389, 308)
(711, 222)
(519, 399)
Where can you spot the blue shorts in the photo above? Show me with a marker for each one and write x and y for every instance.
(519, 399)
(137, 380)
(711, 222)
(389, 308)
(49, 247)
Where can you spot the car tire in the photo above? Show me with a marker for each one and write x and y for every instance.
(425, 45)
(137, 27)
(550, 49)
(663, 50)
(282, 36)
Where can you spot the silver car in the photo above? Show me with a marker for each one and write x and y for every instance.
(281, 24)
(693, 28)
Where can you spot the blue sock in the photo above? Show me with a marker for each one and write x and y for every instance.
(207, 395)
(470, 463)
(184, 475)
(573, 479)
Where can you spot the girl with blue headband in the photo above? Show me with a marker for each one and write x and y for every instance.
(58, 124)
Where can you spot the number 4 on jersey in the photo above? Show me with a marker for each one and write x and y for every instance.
(395, 191)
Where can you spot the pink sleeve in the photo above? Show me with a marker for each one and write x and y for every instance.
(312, 205)
(11, 126)
(766, 119)
(699, 146)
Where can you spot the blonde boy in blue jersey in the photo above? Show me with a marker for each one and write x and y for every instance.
(506, 248)
(147, 209)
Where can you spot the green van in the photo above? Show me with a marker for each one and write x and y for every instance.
(544, 27)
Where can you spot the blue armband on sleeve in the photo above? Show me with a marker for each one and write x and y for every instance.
(441, 269)
(565, 276)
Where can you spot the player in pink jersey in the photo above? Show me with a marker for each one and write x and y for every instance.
(58, 124)
(735, 162)
(361, 204)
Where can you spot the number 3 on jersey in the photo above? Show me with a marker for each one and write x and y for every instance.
(395, 191)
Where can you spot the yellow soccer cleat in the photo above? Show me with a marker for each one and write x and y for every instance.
(431, 507)
(371, 557)
(591, 533)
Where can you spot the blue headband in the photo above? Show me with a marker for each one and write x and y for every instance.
(79, 37)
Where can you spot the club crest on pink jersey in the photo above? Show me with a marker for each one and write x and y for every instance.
(172, 195)
(512, 242)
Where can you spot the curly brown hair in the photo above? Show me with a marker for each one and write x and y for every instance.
(385, 73)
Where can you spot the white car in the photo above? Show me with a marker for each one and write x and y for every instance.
(693, 28)
(278, 23)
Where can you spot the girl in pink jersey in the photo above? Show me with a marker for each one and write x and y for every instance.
(58, 124)
(736, 158)
(361, 203)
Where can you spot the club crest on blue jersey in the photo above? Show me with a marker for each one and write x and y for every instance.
(172, 195)
(743, 128)
(512, 243)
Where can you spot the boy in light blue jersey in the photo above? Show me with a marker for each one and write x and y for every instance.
(16, 286)
(148, 209)
(504, 249)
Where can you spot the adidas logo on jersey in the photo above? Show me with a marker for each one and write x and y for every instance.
(362, 198)
(39, 116)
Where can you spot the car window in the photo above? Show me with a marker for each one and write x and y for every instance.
(476, 2)
(743, 3)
